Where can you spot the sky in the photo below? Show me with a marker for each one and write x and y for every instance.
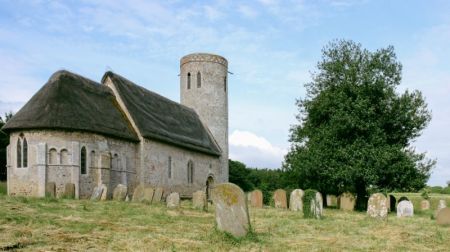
(272, 48)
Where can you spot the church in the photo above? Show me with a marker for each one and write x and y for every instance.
(75, 130)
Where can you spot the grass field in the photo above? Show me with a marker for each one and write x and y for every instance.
(79, 225)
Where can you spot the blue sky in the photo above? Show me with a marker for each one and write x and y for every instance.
(272, 46)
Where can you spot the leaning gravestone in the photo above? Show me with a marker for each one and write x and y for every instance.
(405, 209)
(347, 201)
(279, 198)
(424, 205)
(173, 200)
(231, 209)
(296, 200)
(138, 194)
(443, 216)
(50, 189)
(199, 200)
(69, 191)
(148, 195)
(331, 200)
(256, 199)
(97, 193)
(157, 195)
(316, 208)
(377, 206)
(120, 192)
(442, 204)
(104, 194)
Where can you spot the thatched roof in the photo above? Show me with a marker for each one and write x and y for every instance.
(164, 120)
(71, 102)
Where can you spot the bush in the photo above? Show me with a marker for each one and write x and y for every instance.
(310, 194)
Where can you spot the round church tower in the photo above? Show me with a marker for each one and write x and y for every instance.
(203, 87)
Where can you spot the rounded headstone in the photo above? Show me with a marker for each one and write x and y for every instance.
(442, 204)
(256, 199)
(279, 198)
(199, 200)
(425, 205)
(157, 195)
(317, 205)
(120, 192)
(97, 193)
(331, 200)
(443, 216)
(296, 200)
(138, 194)
(173, 200)
(377, 206)
(405, 209)
(347, 201)
(231, 209)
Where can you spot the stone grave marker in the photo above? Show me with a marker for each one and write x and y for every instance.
(104, 195)
(148, 195)
(157, 195)
(279, 198)
(69, 191)
(442, 204)
(199, 200)
(256, 199)
(120, 192)
(296, 200)
(97, 193)
(231, 209)
(331, 200)
(138, 194)
(425, 205)
(50, 189)
(173, 200)
(347, 201)
(405, 209)
(377, 206)
(317, 205)
(443, 216)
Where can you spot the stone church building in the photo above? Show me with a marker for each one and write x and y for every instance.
(75, 130)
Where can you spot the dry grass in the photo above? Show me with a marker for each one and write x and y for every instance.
(79, 225)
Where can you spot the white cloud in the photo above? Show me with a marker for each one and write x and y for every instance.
(255, 151)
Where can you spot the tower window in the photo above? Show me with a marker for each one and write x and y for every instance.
(22, 152)
(83, 160)
(52, 156)
(190, 172)
(225, 83)
(169, 167)
(189, 81)
(19, 153)
(199, 79)
(25, 153)
(64, 159)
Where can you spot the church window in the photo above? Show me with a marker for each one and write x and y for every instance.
(169, 168)
(190, 172)
(225, 84)
(83, 160)
(25, 153)
(92, 159)
(199, 79)
(52, 156)
(22, 152)
(64, 159)
(189, 81)
(19, 153)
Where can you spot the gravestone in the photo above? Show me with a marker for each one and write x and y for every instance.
(279, 198)
(148, 195)
(317, 205)
(138, 194)
(442, 204)
(120, 192)
(157, 195)
(199, 200)
(69, 191)
(331, 200)
(173, 200)
(377, 206)
(443, 216)
(97, 193)
(231, 209)
(50, 189)
(256, 199)
(296, 200)
(104, 195)
(405, 209)
(425, 205)
(347, 201)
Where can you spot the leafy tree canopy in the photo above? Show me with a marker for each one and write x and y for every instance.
(355, 129)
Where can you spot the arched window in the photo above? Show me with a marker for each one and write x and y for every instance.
(169, 167)
(190, 172)
(189, 81)
(25, 153)
(19, 153)
(83, 160)
(64, 157)
(92, 157)
(52, 156)
(199, 80)
(115, 163)
(225, 83)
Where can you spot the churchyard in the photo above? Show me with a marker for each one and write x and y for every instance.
(30, 224)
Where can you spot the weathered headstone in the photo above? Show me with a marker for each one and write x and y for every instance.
(331, 200)
(148, 195)
(443, 216)
(104, 194)
(120, 192)
(173, 200)
(69, 191)
(256, 199)
(97, 193)
(157, 195)
(317, 205)
(279, 198)
(347, 201)
(442, 204)
(50, 189)
(425, 205)
(377, 206)
(199, 200)
(138, 194)
(231, 209)
(296, 200)
(405, 209)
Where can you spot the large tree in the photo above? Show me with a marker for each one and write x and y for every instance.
(355, 128)
(4, 142)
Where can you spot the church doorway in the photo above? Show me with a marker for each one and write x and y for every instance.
(209, 186)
